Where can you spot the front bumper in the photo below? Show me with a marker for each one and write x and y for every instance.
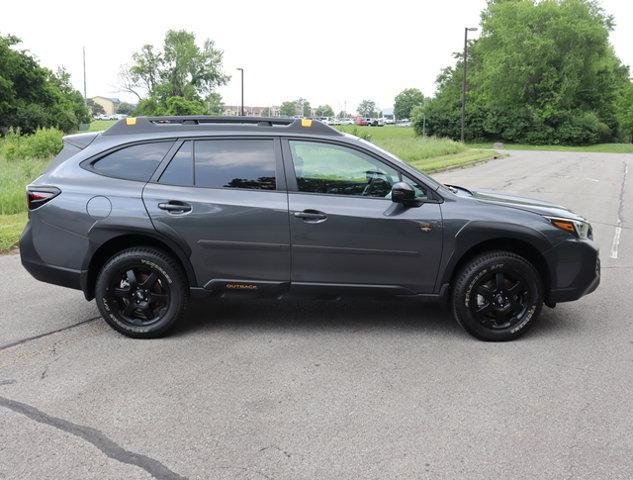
(576, 272)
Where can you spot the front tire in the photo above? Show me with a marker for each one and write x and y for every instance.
(497, 296)
(142, 292)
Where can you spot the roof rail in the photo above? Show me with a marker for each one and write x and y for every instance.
(136, 125)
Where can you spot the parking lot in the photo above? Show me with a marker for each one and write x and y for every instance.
(356, 389)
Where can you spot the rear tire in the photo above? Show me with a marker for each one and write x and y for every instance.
(142, 292)
(497, 296)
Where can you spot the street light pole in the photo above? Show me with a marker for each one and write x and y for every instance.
(466, 30)
(242, 104)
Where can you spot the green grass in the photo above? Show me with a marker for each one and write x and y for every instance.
(14, 176)
(600, 147)
(99, 125)
(11, 227)
(428, 154)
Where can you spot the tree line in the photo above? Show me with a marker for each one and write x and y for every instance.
(541, 72)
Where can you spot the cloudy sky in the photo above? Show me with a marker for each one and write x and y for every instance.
(336, 52)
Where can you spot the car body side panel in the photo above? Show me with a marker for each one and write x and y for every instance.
(366, 241)
(232, 233)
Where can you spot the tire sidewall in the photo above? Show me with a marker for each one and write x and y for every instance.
(151, 260)
(468, 278)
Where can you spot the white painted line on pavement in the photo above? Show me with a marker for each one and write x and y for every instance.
(616, 241)
(618, 228)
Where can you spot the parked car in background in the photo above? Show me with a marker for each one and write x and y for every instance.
(362, 122)
(157, 210)
(347, 121)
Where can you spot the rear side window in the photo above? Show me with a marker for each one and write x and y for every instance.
(246, 164)
(136, 162)
(180, 169)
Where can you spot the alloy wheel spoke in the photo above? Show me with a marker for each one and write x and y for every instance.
(121, 292)
(129, 309)
(483, 309)
(516, 288)
(147, 311)
(485, 291)
(150, 280)
(499, 281)
(157, 297)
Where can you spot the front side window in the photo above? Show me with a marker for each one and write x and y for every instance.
(136, 162)
(246, 164)
(338, 170)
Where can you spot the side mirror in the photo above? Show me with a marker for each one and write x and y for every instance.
(402, 192)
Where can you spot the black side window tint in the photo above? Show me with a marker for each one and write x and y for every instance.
(235, 164)
(180, 169)
(137, 162)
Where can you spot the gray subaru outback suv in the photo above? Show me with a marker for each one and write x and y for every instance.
(154, 211)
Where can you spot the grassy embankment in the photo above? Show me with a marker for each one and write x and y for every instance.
(600, 147)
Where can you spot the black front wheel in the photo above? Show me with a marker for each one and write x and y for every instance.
(497, 296)
(141, 292)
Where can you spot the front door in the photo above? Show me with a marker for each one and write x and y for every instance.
(345, 230)
(226, 199)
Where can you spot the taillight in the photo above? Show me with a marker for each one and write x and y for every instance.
(38, 196)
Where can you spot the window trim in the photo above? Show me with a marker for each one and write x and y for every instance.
(291, 177)
(88, 163)
(280, 175)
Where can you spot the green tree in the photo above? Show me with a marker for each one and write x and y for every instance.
(297, 107)
(405, 101)
(343, 114)
(215, 105)
(324, 111)
(125, 108)
(288, 109)
(32, 96)
(367, 108)
(625, 112)
(304, 107)
(541, 72)
(180, 69)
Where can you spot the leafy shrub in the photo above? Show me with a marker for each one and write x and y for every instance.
(43, 144)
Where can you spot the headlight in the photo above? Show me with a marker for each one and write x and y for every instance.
(578, 228)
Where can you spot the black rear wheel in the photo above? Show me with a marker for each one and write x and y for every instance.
(497, 296)
(141, 292)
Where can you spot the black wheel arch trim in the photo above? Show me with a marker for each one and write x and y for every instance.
(476, 235)
(102, 235)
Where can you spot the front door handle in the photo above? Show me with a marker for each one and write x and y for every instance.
(312, 216)
(174, 206)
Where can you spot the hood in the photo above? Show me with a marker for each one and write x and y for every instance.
(539, 207)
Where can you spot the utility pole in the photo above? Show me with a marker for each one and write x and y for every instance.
(242, 107)
(466, 30)
(84, 55)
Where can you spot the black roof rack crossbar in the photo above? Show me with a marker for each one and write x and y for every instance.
(137, 125)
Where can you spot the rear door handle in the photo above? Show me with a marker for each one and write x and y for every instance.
(313, 216)
(174, 206)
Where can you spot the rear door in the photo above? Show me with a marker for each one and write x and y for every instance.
(345, 230)
(226, 199)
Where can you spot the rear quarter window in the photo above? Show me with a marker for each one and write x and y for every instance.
(136, 162)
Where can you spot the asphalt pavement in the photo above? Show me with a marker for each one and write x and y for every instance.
(357, 389)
